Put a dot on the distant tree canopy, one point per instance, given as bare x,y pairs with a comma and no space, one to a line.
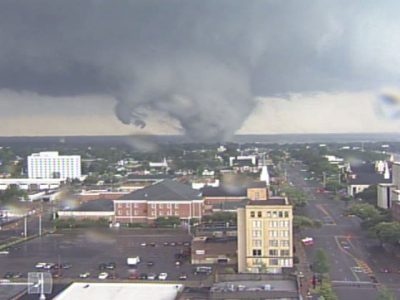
12,193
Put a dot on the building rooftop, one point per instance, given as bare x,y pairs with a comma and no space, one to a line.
116,291
368,179
164,191
224,191
271,201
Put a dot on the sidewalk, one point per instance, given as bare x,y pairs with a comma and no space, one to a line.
304,267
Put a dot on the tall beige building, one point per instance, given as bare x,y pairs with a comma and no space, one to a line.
265,236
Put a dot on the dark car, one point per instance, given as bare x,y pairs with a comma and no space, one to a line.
111,266
152,244
150,263
8,275
143,276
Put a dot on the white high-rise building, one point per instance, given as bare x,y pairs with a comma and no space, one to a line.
51,165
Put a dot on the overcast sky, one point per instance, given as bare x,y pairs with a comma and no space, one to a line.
206,69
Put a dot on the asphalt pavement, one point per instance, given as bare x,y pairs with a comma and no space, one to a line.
355,269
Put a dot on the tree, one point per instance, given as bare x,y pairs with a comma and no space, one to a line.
297,197
385,294
300,222
167,221
223,216
388,232
364,211
12,193
368,195
321,262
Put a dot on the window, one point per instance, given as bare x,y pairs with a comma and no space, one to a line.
273,243
160,213
252,214
286,214
256,224
256,233
280,214
268,214
176,206
284,243
285,252
259,214
273,252
257,243
273,233
256,252
274,214
273,261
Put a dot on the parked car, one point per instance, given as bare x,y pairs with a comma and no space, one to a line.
183,276
103,275
152,276
49,266
152,244
84,275
40,265
165,243
143,244
163,276
143,276
133,276
203,270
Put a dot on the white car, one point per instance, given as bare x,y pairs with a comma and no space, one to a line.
163,276
151,276
84,275
143,244
103,275
40,265
5,252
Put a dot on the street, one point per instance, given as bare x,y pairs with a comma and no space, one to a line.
355,259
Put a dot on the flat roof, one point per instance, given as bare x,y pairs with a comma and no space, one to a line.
270,201
116,291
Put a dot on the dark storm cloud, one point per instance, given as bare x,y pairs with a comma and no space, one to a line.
201,62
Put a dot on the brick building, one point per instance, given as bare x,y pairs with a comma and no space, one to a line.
167,198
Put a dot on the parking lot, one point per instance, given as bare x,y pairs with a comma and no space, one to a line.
84,250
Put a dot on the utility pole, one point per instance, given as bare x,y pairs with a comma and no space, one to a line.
25,227
40,225
324,179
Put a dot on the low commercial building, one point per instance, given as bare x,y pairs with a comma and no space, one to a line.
92,210
265,236
206,250
255,286
119,290
167,198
